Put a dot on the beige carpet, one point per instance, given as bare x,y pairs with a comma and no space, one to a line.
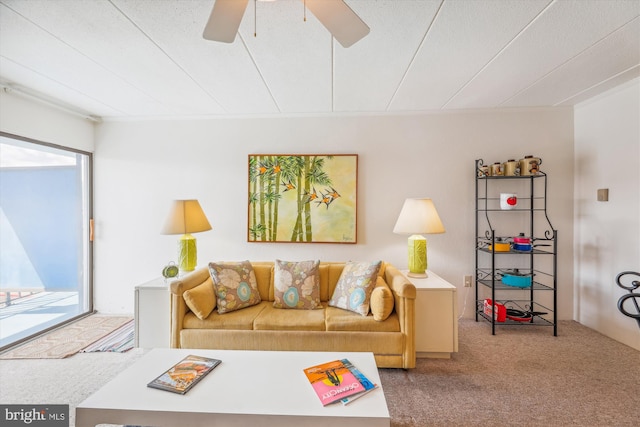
524,376
67,340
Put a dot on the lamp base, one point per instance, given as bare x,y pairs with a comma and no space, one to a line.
187,253
418,275
417,248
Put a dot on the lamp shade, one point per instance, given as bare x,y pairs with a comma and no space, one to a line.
418,216
185,216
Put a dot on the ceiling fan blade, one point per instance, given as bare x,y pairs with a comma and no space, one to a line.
224,20
339,19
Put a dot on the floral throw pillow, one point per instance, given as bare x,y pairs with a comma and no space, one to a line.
297,285
354,287
235,285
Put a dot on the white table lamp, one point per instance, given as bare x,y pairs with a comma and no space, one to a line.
418,217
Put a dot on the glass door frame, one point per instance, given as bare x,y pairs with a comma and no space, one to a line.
88,233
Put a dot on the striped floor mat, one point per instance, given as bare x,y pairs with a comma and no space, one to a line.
71,339
118,341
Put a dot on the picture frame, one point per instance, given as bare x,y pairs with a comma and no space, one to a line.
302,198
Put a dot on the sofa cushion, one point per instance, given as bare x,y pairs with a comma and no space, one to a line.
381,300
235,285
383,268
235,320
272,318
264,276
337,319
201,299
297,284
354,287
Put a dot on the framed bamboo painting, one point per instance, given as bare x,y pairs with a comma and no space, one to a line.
302,198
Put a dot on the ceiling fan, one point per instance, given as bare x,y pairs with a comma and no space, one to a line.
337,17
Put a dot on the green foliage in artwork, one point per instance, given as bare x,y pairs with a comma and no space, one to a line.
271,178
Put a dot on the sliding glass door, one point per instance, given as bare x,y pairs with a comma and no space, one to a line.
45,242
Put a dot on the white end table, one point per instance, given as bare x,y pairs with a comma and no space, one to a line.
436,316
153,314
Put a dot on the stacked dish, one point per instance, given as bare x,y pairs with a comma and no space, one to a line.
522,243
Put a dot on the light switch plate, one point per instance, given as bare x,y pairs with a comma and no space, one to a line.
603,194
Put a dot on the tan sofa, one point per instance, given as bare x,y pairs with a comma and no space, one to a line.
263,327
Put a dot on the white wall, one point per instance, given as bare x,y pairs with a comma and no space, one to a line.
141,166
607,234
29,119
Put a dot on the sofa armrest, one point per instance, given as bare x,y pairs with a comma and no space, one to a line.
178,306
190,281
404,294
399,283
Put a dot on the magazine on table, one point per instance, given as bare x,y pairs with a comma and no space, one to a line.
366,383
182,376
333,381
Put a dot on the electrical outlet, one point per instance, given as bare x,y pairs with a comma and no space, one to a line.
603,194
467,281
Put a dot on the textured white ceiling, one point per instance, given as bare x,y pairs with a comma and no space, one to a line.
147,58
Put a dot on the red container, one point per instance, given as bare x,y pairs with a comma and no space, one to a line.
499,313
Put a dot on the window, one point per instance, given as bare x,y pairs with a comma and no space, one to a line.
45,247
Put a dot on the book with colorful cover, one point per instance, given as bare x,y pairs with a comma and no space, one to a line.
366,383
182,376
333,381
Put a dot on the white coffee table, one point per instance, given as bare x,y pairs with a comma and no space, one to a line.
249,388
